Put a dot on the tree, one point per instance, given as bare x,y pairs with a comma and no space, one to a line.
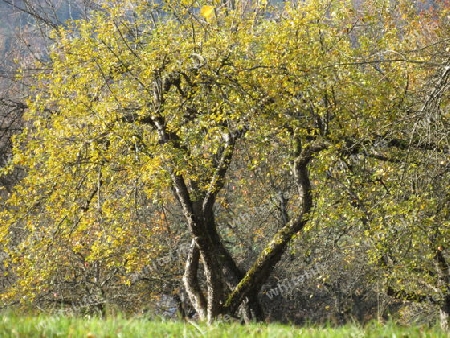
147,100
411,229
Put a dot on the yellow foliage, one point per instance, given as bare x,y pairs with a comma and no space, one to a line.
207,12
119,115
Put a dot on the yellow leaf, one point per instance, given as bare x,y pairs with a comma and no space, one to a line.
207,11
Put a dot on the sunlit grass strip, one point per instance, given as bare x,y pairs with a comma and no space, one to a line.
62,326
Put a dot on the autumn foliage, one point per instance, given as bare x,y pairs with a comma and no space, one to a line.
154,123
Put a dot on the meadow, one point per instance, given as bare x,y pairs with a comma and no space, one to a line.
63,326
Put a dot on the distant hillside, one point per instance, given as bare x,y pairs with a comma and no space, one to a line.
7,23
17,29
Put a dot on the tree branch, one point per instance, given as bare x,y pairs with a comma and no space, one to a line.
273,252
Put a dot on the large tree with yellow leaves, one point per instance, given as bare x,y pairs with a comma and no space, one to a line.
147,101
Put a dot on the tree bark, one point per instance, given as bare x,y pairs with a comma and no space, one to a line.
443,269
191,283
227,272
200,235
445,314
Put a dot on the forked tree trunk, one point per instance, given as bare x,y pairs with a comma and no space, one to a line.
219,268
230,277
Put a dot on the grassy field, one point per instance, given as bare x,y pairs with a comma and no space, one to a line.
60,326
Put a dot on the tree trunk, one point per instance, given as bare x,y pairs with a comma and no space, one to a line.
214,286
219,268
230,275
443,269
445,314
191,284
206,250
250,308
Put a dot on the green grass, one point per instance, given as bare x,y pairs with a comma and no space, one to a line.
62,326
